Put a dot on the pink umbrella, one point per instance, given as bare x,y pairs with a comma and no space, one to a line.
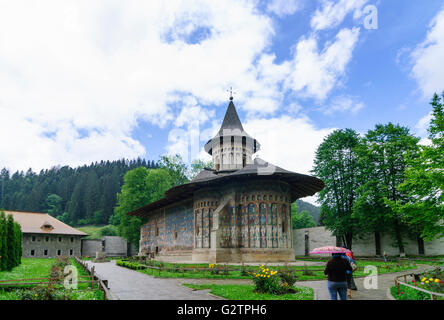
329,249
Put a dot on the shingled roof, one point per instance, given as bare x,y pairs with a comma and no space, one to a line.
231,120
35,222
301,185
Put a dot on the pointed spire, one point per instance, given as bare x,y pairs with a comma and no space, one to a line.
231,120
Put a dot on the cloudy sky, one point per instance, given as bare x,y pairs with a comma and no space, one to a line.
84,81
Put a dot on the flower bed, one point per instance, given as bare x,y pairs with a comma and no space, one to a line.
427,286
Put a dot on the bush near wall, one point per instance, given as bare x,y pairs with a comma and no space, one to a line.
10,243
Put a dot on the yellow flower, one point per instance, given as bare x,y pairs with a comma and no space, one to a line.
431,279
436,280
423,279
269,276
427,281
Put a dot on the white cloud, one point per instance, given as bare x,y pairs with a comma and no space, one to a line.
333,13
315,73
428,69
287,142
423,124
284,7
99,67
343,103
76,77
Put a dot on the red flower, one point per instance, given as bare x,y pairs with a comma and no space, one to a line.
402,292
416,284
413,281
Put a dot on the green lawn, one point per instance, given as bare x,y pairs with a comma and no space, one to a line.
171,270
245,292
40,268
30,268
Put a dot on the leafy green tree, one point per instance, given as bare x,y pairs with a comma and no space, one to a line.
177,169
3,240
302,219
336,163
141,187
383,166
423,205
11,243
17,244
53,204
197,166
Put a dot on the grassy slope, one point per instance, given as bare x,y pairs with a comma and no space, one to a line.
93,231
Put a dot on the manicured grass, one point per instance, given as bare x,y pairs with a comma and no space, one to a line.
40,268
245,292
170,270
29,268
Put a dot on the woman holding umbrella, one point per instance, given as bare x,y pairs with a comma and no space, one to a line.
350,281
336,270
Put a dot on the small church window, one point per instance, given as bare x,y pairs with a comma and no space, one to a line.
59,252
72,239
32,252
60,239
45,252
46,238
71,252
33,238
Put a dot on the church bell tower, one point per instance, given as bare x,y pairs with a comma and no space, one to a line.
232,148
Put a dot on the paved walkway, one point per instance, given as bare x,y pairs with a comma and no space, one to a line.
128,284
384,281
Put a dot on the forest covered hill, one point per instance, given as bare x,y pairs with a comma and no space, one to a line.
77,196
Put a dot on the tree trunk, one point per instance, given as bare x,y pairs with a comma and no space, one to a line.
399,238
421,250
378,243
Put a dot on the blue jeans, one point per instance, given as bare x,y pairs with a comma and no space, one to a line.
335,288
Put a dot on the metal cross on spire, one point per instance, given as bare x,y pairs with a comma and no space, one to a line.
231,93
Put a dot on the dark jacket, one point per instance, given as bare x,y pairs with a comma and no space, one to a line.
336,269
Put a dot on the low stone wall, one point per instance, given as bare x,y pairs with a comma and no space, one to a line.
114,247
309,238
90,247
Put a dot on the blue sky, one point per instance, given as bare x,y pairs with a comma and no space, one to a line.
96,80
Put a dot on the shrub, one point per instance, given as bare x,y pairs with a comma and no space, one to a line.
288,277
307,272
108,231
267,281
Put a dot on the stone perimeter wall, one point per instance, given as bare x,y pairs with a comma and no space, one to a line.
319,237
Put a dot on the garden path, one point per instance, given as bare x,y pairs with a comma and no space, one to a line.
128,284
132,285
